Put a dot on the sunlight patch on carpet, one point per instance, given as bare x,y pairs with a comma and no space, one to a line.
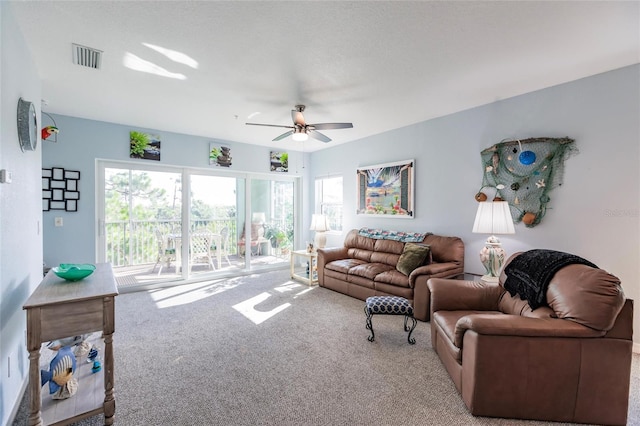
189,293
247,308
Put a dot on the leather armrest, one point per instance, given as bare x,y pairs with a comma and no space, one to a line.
329,254
435,268
459,295
515,325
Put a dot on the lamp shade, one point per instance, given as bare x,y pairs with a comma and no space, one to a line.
319,223
259,217
299,135
493,217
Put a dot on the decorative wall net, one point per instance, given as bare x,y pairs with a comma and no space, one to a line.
523,173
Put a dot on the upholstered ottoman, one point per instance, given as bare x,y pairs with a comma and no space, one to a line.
390,305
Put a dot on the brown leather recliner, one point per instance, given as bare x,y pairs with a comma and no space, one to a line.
569,361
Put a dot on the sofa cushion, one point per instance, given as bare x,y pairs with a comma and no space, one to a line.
369,270
393,277
343,265
446,249
589,296
390,259
361,254
513,305
412,256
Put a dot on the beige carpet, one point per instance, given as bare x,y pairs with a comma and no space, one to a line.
262,350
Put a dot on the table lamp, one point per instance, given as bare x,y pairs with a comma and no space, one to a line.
320,224
493,217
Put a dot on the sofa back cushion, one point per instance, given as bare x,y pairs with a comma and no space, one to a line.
513,305
359,247
589,296
373,250
445,249
580,293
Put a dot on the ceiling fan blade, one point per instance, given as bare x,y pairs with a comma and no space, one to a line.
269,125
284,135
318,135
297,117
327,126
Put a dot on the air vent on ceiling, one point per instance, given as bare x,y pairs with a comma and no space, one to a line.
87,56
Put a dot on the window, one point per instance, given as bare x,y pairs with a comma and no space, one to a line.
329,200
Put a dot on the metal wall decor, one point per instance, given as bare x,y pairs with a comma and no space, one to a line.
27,125
523,173
60,189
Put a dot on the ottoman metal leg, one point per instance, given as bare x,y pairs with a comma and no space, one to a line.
411,340
368,325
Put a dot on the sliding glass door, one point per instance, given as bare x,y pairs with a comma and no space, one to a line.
141,209
272,224
160,224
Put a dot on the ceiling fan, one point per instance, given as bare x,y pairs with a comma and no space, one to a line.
300,130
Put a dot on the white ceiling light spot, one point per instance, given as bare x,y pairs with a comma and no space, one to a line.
174,55
253,114
136,63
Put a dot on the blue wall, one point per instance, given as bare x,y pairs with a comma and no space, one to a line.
81,142
596,209
20,211
595,213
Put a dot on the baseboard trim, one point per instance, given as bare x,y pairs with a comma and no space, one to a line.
16,406
636,348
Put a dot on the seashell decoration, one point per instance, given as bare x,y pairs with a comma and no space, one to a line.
528,218
481,196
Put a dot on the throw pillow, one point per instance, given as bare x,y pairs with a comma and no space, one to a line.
412,256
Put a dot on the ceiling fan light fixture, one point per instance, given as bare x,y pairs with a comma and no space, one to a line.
299,135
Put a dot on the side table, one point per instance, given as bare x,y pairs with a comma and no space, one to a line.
310,274
59,309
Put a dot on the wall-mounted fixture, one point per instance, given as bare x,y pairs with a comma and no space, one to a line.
27,125
50,132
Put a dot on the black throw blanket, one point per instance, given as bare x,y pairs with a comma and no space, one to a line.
529,274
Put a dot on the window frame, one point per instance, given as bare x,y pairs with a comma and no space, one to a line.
320,203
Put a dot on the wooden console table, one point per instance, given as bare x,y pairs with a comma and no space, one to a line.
59,309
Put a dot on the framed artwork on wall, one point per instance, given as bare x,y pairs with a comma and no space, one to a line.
219,155
60,189
386,190
143,145
279,161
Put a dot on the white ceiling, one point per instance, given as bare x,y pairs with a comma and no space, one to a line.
380,65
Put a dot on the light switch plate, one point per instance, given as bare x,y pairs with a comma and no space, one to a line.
5,176
58,221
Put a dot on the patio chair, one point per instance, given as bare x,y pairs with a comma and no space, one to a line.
166,253
224,244
200,248
257,240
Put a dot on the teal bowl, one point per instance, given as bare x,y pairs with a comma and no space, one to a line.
74,271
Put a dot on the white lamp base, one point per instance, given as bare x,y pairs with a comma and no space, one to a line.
320,240
492,257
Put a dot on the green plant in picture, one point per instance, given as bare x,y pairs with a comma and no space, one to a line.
213,155
138,142
284,159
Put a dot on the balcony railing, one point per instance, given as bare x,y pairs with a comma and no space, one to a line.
135,242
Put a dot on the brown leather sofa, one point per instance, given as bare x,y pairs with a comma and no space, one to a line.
569,361
366,267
